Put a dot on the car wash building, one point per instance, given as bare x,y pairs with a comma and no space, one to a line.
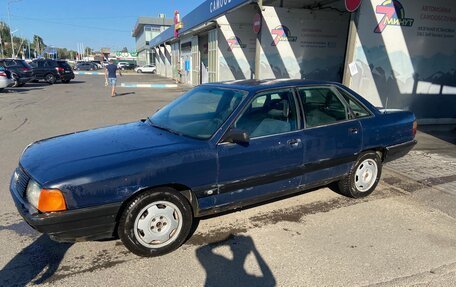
396,53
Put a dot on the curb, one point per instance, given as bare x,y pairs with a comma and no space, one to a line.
156,86
87,73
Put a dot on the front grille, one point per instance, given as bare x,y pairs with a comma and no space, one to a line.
22,181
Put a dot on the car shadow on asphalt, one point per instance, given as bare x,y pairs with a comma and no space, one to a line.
41,258
20,90
74,82
223,271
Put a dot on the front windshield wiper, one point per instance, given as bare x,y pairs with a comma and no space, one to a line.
164,128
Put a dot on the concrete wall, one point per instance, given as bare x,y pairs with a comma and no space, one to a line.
236,45
409,62
303,44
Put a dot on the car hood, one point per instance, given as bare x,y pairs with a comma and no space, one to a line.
53,158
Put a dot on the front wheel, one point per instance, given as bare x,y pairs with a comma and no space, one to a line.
139,71
363,177
156,222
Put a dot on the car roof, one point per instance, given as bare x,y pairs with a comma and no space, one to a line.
259,85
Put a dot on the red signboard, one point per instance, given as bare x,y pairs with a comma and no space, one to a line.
177,24
352,5
257,23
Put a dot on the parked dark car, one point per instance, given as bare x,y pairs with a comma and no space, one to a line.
22,72
52,71
86,66
217,148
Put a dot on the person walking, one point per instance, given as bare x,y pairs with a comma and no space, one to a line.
111,76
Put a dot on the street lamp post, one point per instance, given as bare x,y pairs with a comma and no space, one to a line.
9,22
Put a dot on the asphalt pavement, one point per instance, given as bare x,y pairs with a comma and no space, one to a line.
402,235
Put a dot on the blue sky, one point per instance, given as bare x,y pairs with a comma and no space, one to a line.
96,23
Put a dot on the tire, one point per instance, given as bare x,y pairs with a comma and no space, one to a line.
139,71
20,84
50,79
65,81
363,176
1,89
165,212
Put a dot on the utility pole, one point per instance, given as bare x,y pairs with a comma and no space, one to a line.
258,42
10,27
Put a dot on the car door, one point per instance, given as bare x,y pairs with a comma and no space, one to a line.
270,163
332,138
39,69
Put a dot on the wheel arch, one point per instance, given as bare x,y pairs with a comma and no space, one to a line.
381,151
184,190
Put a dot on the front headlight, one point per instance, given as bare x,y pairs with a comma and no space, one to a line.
33,193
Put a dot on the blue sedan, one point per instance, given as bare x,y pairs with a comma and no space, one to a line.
217,148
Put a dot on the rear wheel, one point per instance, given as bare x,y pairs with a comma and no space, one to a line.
363,177
156,222
65,81
50,79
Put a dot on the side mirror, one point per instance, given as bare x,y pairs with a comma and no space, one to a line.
237,136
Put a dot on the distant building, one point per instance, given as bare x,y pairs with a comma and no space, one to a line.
147,28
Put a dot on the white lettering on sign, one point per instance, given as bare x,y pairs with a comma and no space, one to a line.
217,4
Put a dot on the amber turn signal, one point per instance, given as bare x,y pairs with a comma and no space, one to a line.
51,200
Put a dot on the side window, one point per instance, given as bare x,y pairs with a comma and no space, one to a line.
268,114
358,110
321,106
9,63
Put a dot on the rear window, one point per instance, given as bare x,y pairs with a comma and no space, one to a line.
63,64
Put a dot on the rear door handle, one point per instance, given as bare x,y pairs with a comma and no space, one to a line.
294,142
353,130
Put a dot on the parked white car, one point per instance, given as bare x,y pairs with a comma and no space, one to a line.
122,65
146,69
6,79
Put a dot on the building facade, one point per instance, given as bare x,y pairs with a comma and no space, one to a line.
396,53
146,29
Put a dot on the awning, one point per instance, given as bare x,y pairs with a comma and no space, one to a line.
205,12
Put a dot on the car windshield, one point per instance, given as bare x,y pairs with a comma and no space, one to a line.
198,113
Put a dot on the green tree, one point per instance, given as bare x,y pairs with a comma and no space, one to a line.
38,44
5,40
88,51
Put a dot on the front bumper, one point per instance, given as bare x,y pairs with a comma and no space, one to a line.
92,223
397,151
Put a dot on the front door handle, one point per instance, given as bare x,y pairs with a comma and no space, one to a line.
294,142
353,130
